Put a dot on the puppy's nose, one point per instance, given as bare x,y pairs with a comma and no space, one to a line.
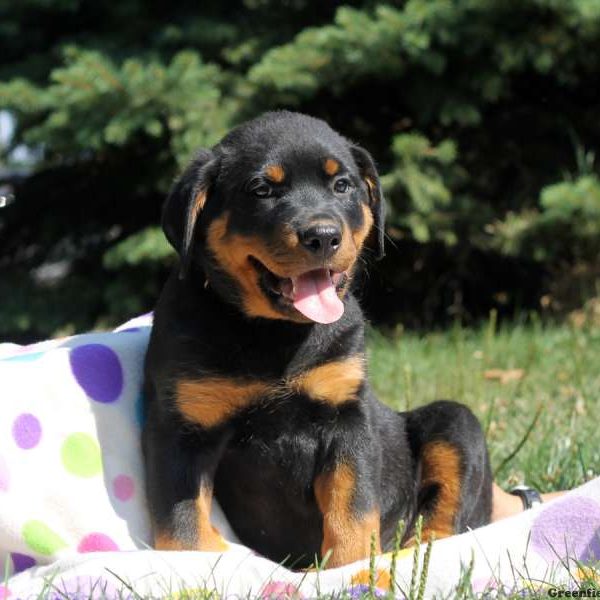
323,239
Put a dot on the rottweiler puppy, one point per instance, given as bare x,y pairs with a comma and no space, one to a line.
256,378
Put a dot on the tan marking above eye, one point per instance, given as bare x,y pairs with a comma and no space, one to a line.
331,166
275,173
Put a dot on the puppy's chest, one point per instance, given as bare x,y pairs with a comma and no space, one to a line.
311,395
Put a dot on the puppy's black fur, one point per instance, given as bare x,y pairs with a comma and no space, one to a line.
251,400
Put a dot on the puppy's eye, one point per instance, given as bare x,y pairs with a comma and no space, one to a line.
341,186
262,190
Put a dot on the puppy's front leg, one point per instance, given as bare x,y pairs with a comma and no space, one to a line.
179,476
350,514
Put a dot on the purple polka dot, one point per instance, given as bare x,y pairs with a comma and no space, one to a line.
21,562
123,487
363,591
97,542
27,431
85,587
129,330
4,476
568,528
98,371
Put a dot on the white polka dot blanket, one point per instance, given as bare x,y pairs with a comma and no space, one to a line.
73,522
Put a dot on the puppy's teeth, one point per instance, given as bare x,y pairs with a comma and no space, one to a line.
287,287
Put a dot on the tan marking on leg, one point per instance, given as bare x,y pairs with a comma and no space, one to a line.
346,535
331,166
209,537
334,382
275,173
164,541
441,466
213,400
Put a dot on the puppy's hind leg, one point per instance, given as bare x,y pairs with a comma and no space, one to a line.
455,483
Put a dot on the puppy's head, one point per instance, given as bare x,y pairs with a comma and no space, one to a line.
277,215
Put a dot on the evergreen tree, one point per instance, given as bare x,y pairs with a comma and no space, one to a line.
482,115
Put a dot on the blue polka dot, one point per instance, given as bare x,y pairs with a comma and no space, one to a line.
28,357
140,409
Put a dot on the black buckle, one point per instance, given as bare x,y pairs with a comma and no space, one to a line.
528,495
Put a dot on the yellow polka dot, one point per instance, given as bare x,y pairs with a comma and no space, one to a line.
41,539
81,455
401,554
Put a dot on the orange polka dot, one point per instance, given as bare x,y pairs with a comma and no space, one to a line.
382,578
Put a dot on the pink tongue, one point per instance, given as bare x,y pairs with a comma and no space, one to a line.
316,297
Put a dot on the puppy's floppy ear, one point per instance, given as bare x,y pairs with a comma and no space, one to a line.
185,202
369,174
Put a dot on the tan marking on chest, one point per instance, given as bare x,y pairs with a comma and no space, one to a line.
213,400
334,382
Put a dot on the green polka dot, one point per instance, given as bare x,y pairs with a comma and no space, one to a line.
81,456
41,539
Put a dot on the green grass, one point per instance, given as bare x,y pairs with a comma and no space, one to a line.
560,383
